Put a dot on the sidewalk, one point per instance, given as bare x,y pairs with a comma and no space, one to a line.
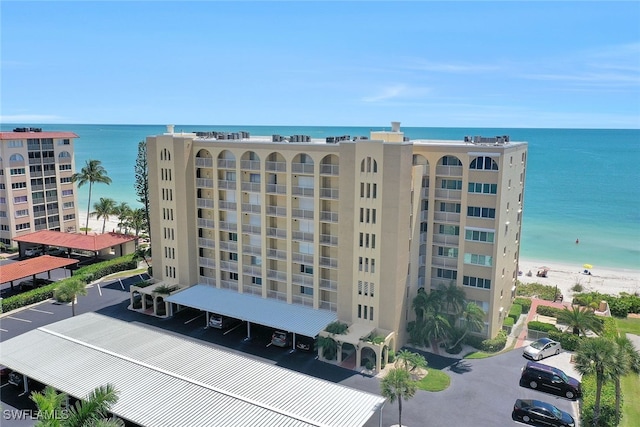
522,333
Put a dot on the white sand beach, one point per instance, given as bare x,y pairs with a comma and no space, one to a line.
605,280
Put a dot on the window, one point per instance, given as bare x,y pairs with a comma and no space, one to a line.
67,193
18,185
452,230
63,141
256,280
16,158
17,171
479,235
69,217
484,163
447,252
230,176
20,199
359,287
481,188
307,269
14,143
233,276
306,290
65,167
3,200
479,212
446,273
233,237
233,256
476,282
449,207
66,180
451,161
24,226
484,260
254,177
452,184
22,212
64,155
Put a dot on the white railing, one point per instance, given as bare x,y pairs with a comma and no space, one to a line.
328,262
206,262
329,193
302,235
277,232
449,170
447,216
300,300
276,166
302,213
327,216
276,211
253,229
231,266
226,184
281,296
329,170
252,289
277,275
250,164
446,239
206,243
229,245
251,250
443,193
204,182
252,270
299,279
329,284
302,258
302,191
277,254
223,204
229,284
302,167
328,239
250,207
226,164
206,162
228,226
204,203
275,188
442,261
205,223
251,186
326,305
207,280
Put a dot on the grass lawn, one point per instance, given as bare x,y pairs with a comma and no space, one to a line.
478,355
435,380
630,325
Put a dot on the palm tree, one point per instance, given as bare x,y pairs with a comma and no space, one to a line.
68,291
472,321
410,361
122,210
596,356
329,347
581,319
398,385
141,253
93,171
137,220
453,297
425,303
103,209
628,362
49,404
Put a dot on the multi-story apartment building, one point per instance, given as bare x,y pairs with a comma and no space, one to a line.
36,192
352,225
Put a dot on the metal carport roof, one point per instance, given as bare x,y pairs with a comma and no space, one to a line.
263,311
170,380
29,267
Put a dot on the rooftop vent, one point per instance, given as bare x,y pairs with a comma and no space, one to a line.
395,126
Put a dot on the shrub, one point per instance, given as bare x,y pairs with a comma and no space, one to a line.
165,289
607,402
508,322
567,340
337,327
495,344
524,302
541,326
515,312
93,272
577,287
27,298
545,292
545,310
473,341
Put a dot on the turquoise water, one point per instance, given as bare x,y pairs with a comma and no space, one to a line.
581,183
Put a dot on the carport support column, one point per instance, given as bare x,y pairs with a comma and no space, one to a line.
339,355
358,356
378,359
248,330
207,320
25,383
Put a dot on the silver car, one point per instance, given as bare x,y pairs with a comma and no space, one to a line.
542,348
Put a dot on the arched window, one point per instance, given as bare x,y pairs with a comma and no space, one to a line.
369,164
64,155
16,158
450,161
484,163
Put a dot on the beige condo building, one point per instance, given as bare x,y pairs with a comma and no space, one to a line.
36,192
350,225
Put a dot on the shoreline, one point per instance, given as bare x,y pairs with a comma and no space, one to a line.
606,280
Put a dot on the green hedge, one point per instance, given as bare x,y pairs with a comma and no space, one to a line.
515,312
86,274
495,344
607,402
567,340
545,310
539,290
508,321
524,302
620,306
534,325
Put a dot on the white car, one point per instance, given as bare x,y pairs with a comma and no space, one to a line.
33,251
542,348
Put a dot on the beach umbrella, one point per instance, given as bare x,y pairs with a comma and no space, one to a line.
588,266
544,268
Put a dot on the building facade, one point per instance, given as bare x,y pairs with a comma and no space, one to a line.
355,225
36,192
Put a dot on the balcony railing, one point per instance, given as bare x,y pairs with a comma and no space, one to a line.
204,183
328,262
302,213
250,164
251,250
228,206
280,296
329,170
37,187
302,168
206,243
280,233
251,186
225,184
302,235
204,203
329,193
276,211
251,207
50,173
228,226
326,216
228,245
302,191
277,275
449,170
329,240
229,284
204,162
299,279
302,258
231,266
205,223
328,284
277,254
443,193
250,228
276,166
211,281
327,305
226,164
442,261
252,289
252,270
446,239
300,300
447,216
206,262
277,189
424,192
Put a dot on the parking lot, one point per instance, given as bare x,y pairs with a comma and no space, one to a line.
482,392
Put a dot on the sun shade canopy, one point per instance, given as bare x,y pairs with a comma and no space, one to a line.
206,386
29,267
263,311
85,242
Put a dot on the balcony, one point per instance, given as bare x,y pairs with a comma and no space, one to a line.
54,224
207,280
224,184
50,186
205,223
226,164
299,279
204,203
207,262
444,262
277,254
276,166
32,161
252,270
251,186
279,233
53,211
329,193
328,284
329,170
228,226
227,206
302,236
424,215
204,183
424,192
449,170
442,193
302,191
277,275
302,258
446,239
41,227
306,168
204,162
228,245
276,211
328,240
206,243
302,213
327,305
231,266
280,296
447,216
37,187
253,165
328,262
252,289
49,173
252,250
326,216
251,229
229,284
251,208
276,189
300,300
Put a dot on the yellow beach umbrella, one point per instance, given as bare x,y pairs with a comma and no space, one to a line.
588,266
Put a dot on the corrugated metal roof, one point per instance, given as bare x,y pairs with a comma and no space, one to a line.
86,242
263,311
170,380
28,267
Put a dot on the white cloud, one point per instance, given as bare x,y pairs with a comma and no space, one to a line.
395,92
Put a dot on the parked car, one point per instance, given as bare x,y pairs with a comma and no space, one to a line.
537,412
34,251
54,251
539,349
549,379
219,321
280,338
305,343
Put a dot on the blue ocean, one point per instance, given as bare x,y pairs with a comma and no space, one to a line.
580,183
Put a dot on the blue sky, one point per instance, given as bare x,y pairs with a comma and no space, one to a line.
448,64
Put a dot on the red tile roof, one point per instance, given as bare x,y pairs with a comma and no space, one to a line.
85,242
36,135
29,267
